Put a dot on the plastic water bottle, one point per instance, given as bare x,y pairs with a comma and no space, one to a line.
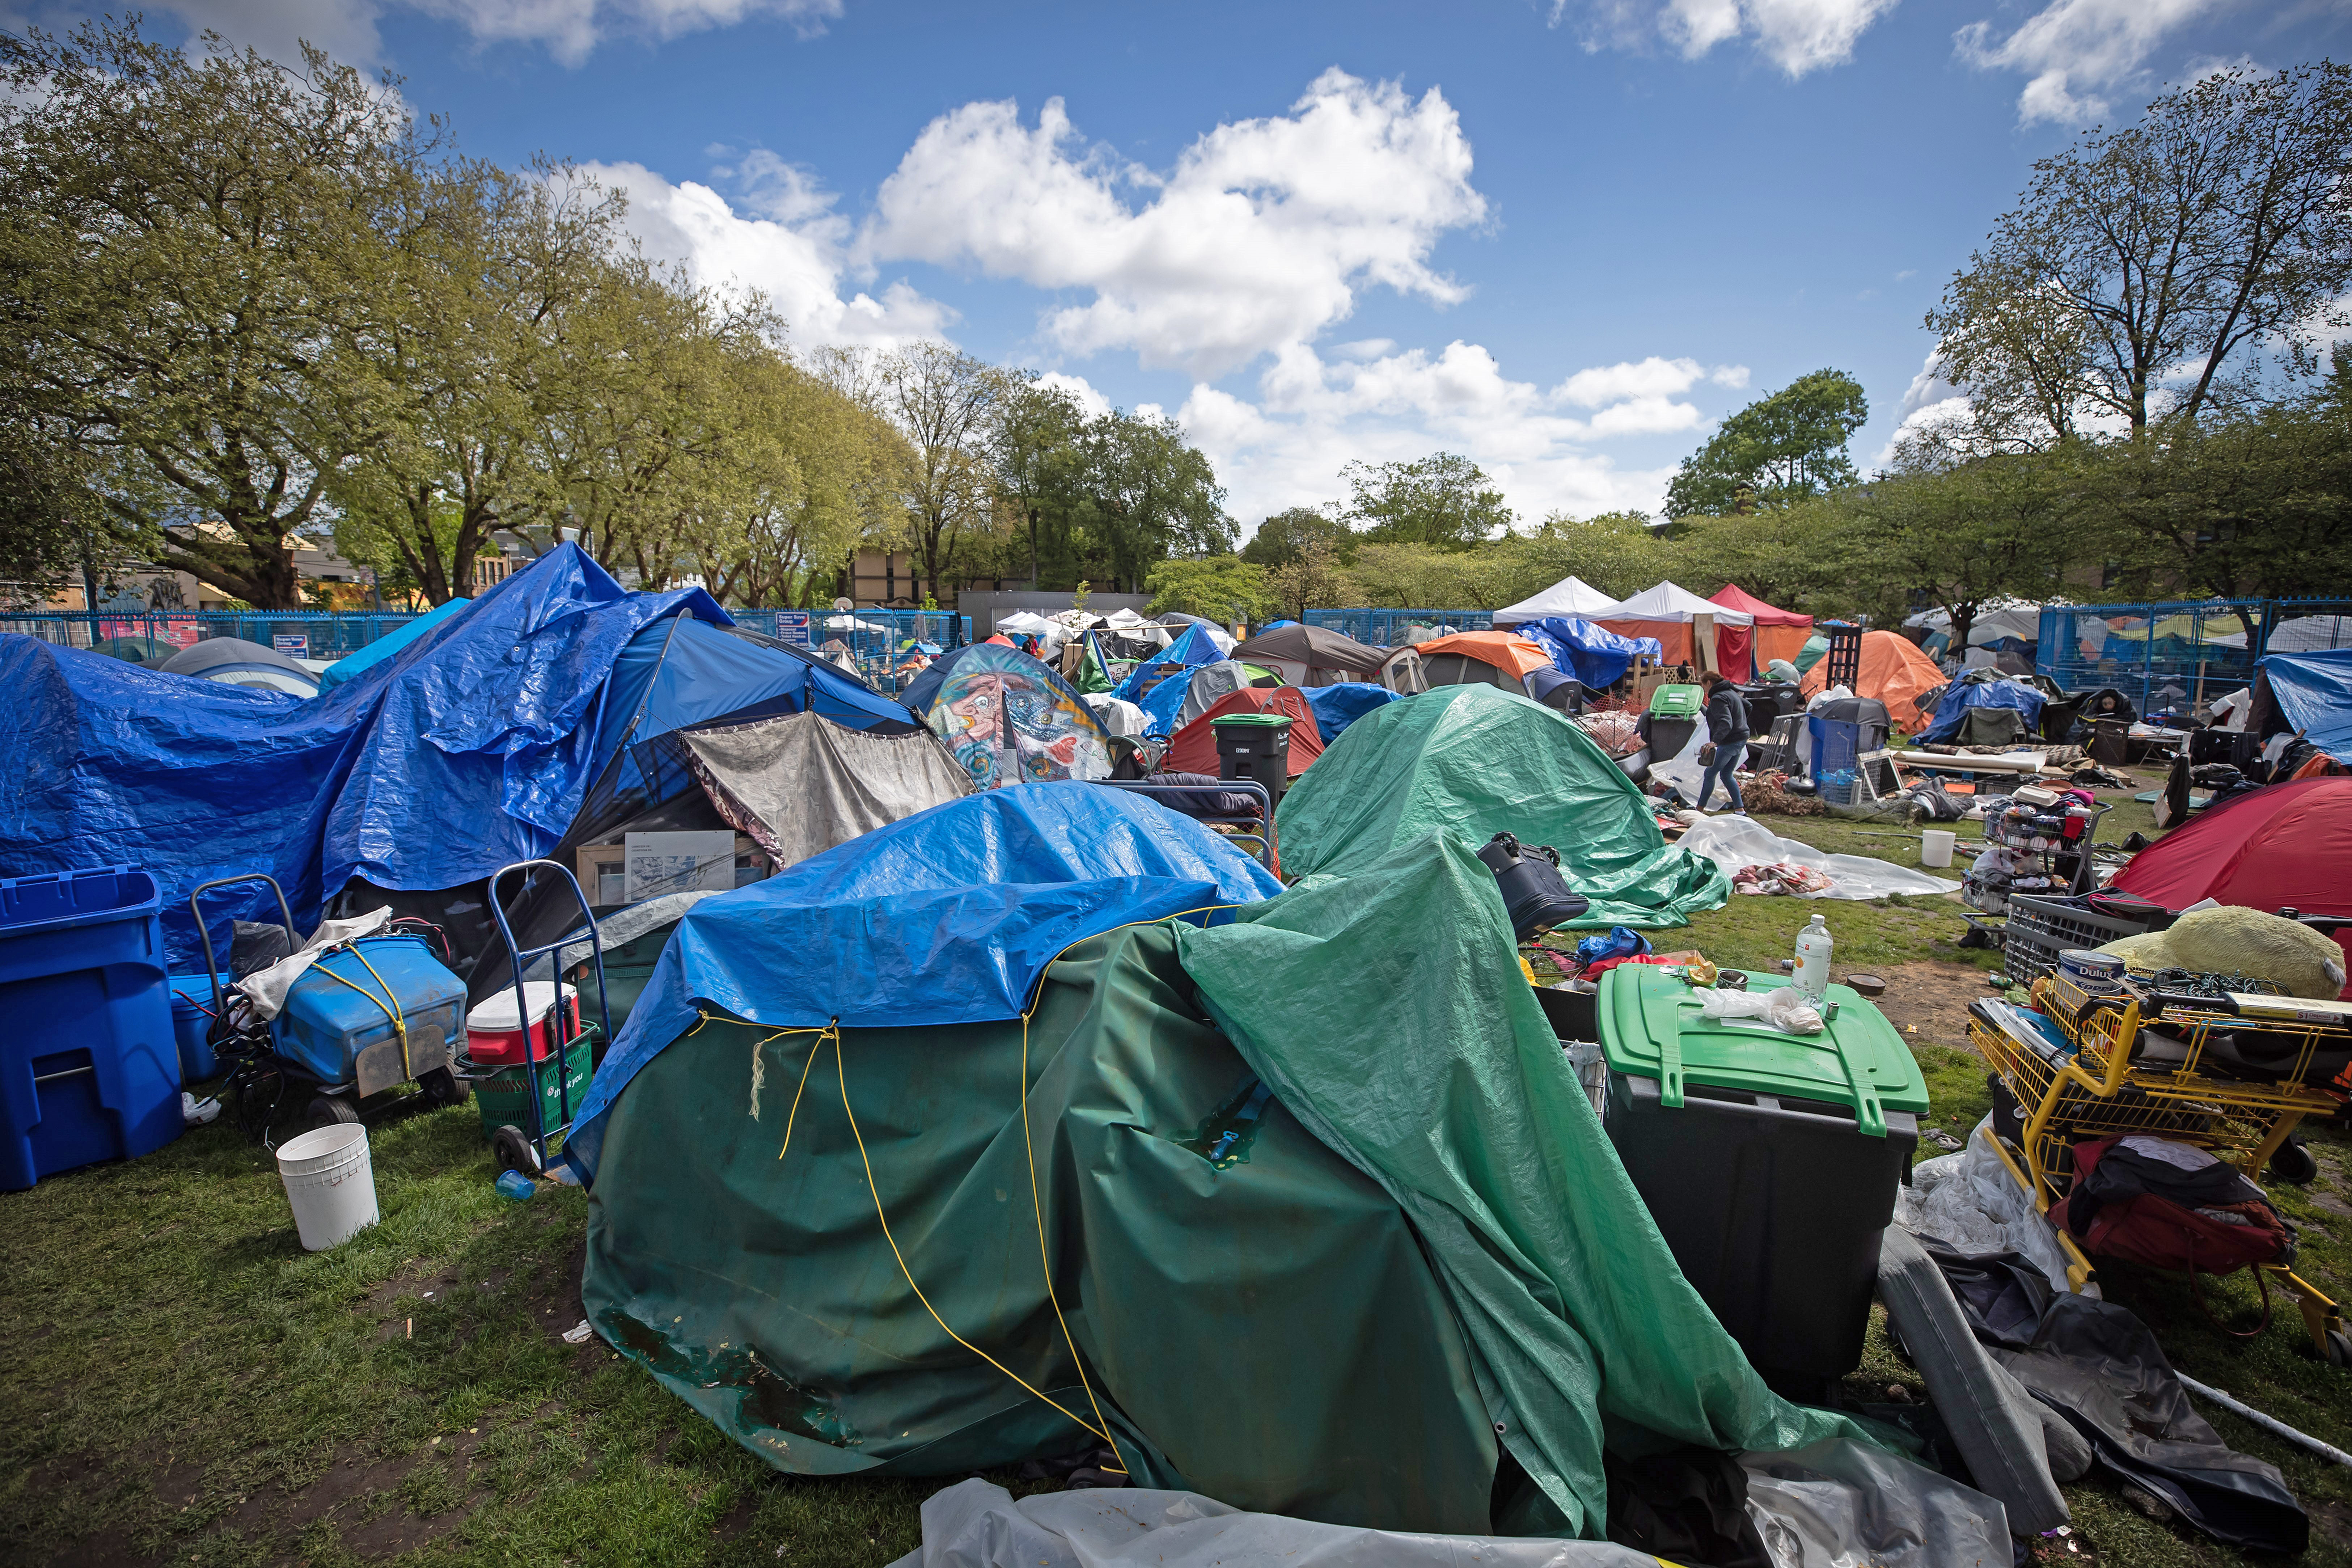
1812,969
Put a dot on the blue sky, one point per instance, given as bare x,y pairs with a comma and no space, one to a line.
1562,236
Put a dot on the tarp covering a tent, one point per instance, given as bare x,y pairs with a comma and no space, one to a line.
800,784
1512,654
1338,706
472,749
1477,761
1259,1262
2314,693
1596,656
1009,719
1569,596
1157,684
1193,748
352,665
1312,656
1952,709
1780,633
1894,671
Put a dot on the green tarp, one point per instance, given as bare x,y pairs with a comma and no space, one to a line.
1476,761
1333,1302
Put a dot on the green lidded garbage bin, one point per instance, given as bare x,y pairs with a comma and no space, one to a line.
1255,746
1676,703
1768,1161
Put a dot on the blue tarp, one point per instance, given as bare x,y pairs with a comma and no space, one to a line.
1191,650
384,646
469,748
1952,708
2313,691
1595,654
1343,702
950,916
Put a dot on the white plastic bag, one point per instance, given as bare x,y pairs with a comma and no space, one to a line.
1784,1007
267,988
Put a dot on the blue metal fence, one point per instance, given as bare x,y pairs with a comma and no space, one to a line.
2184,651
877,640
1387,628
321,634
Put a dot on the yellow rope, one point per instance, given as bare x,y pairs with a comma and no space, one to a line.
841,1073
388,1002
831,1031
1037,1208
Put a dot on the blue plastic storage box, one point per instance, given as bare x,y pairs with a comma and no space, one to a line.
336,1011
88,1069
192,1022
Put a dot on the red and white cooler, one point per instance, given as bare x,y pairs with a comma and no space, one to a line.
494,1036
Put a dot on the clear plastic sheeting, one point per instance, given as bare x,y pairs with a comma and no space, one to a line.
977,1524
1971,1201
1732,842
1844,1504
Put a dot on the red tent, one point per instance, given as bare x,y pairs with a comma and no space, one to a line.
1780,633
2288,846
1194,749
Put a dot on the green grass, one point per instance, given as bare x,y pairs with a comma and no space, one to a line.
185,1385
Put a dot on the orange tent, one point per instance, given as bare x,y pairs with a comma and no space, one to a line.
1505,650
1894,671
1193,749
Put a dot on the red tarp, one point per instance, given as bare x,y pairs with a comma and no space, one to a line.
1194,748
1780,633
2288,846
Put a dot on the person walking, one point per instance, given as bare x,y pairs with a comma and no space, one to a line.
1727,743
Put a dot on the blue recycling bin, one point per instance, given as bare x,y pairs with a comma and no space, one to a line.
89,1069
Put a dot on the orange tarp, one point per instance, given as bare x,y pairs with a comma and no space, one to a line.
1505,651
1894,671
1193,749
1674,637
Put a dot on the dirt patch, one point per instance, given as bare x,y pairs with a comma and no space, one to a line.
1927,1001
2332,1521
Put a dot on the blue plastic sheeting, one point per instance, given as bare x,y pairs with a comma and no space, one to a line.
1159,705
950,916
1338,705
1595,654
469,748
2313,691
384,646
1952,708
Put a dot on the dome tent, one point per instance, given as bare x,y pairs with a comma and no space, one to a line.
1894,671
242,663
1009,718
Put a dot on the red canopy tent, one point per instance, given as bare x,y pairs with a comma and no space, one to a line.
1193,748
1780,633
2285,847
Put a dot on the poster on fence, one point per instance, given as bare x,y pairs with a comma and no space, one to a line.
793,626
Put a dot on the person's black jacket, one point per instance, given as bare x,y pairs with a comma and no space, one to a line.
1726,715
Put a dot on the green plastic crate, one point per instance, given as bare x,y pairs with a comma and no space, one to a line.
505,1101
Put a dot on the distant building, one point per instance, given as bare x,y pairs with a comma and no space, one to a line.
892,580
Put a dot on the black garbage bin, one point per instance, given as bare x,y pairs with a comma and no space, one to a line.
1768,1161
1255,746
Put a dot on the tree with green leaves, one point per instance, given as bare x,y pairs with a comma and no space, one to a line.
2007,525
1221,588
201,256
2161,269
1784,445
1280,537
945,403
1039,459
1154,495
1443,500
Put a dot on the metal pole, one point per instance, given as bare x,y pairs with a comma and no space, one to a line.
2267,1423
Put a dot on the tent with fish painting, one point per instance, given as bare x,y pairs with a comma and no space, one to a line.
1088,1159
1009,718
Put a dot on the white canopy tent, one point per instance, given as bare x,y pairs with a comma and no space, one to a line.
1669,601
1669,613
1570,597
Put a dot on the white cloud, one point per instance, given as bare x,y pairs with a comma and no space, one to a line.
1312,416
1798,36
570,28
1095,403
794,253
2077,53
1259,239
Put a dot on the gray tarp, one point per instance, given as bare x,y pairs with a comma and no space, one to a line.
802,784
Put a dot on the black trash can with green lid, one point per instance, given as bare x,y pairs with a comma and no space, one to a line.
1769,1161
1255,746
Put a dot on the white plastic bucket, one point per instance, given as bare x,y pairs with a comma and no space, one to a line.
330,1182
1936,846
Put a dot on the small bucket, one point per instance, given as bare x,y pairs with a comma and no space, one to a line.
330,1183
1936,846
